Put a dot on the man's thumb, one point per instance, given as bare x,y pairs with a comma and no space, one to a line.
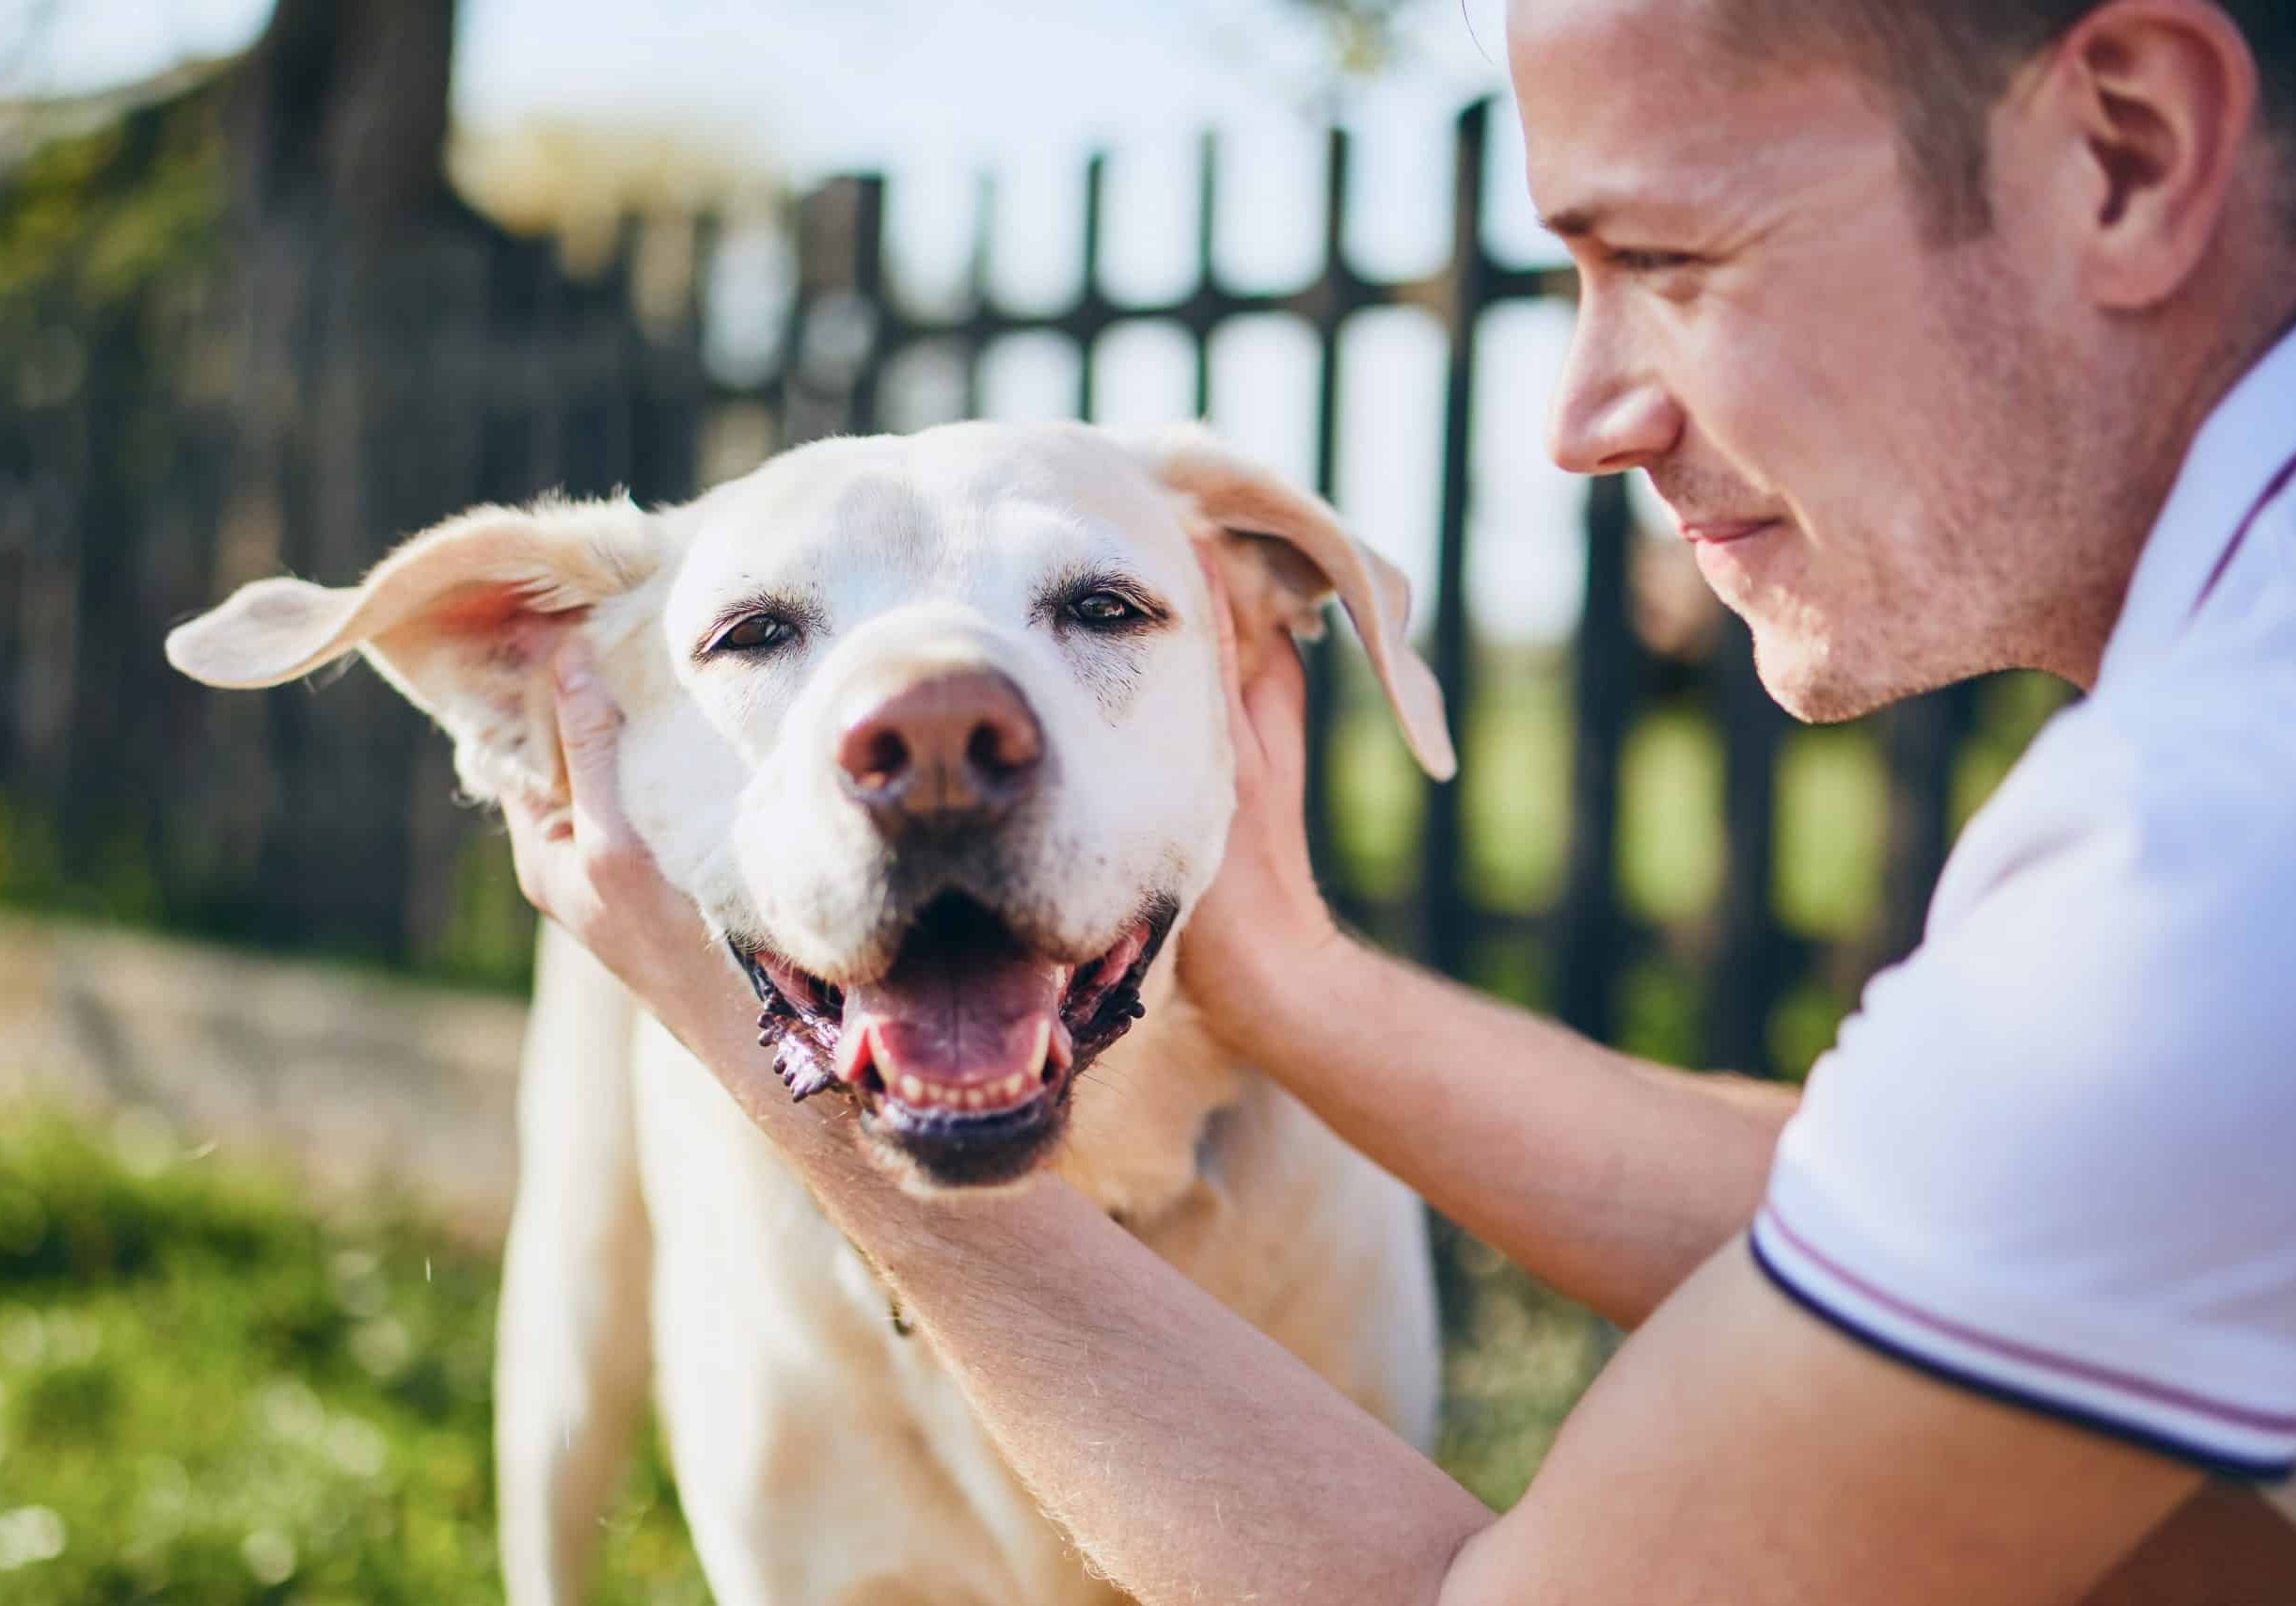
588,723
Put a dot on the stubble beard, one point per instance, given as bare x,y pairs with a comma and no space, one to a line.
2017,541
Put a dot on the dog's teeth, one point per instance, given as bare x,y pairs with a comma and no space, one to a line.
911,1089
975,1098
853,1054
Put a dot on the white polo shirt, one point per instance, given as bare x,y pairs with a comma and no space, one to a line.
2052,1157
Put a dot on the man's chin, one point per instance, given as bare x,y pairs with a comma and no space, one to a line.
1821,685
1807,681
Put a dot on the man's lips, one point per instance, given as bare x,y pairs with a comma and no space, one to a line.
1721,532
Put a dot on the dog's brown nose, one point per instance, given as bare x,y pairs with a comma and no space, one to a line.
959,746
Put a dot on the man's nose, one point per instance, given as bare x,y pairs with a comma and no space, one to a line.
1611,414
959,747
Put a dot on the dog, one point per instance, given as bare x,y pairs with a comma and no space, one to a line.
932,729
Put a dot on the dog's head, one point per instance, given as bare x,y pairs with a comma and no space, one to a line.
929,727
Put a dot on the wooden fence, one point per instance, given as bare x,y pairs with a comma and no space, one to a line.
256,416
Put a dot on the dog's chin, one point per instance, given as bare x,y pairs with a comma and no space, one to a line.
933,1152
962,1051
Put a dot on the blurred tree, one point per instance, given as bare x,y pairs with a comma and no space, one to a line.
336,118
339,113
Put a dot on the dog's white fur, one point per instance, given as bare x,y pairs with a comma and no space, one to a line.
823,1456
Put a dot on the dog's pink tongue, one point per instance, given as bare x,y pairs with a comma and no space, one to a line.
962,1019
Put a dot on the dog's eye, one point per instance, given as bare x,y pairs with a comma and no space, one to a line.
753,634
1105,607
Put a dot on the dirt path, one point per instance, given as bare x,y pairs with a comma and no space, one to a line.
358,1080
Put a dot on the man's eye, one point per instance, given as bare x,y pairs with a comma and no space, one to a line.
1650,262
1105,607
753,634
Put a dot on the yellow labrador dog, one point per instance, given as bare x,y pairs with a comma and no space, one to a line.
931,730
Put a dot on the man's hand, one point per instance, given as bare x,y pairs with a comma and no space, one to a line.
1609,1178
581,865
1261,932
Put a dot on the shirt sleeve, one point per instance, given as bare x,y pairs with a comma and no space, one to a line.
2053,1156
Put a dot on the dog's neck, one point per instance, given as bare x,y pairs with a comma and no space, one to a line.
1140,1112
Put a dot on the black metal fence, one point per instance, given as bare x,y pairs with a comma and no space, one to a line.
253,415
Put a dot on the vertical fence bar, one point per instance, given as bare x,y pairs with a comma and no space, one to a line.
76,695
1088,302
1446,919
1332,304
835,350
976,291
1202,311
1590,931
867,287
1918,740
1747,972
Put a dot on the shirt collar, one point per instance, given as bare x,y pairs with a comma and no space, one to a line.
2247,441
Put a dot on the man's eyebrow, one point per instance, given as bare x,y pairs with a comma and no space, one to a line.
1573,223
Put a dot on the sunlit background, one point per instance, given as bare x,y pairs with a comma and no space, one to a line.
254,1153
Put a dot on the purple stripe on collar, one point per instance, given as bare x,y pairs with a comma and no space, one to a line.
2280,481
2096,1420
2238,1416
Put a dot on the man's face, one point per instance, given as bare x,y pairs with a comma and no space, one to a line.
1864,431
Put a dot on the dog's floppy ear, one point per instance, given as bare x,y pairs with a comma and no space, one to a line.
462,619
1284,555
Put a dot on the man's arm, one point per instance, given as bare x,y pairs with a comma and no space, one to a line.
1735,1450
1738,1449
1608,1178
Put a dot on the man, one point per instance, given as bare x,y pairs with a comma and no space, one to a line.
1957,336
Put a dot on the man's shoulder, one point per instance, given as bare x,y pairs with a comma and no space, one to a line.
2180,781
2128,898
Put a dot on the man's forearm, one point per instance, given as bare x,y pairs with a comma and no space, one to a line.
1190,1456
1608,1178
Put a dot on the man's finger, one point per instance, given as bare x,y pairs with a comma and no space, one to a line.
1224,630
1276,703
589,729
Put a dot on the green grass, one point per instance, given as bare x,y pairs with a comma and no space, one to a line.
1516,1358
211,1393
208,1394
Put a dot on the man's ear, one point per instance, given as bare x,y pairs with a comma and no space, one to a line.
462,619
1284,554
2163,102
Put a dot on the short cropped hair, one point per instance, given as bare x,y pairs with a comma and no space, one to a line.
1946,63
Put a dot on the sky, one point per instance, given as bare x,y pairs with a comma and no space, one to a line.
933,91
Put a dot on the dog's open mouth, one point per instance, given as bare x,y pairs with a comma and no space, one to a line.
962,1053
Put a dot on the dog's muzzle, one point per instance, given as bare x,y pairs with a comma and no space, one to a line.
963,1054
